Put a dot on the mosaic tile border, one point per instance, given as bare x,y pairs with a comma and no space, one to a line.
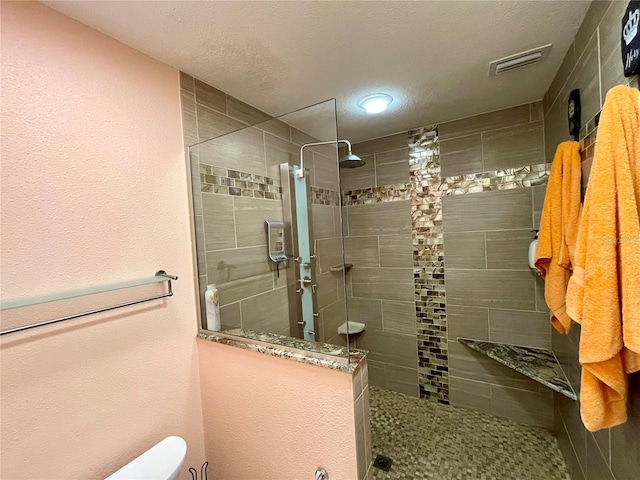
522,177
428,264
236,183
322,196
385,193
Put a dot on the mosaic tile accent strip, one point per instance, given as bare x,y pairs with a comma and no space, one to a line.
428,264
386,193
431,441
521,177
321,196
346,359
536,363
242,184
426,190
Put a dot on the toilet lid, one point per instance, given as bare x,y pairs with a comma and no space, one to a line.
160,462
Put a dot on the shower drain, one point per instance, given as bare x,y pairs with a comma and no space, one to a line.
383,463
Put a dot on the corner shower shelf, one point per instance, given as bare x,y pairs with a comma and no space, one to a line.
351,328
536,363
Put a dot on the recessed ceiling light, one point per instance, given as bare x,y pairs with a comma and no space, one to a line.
375,103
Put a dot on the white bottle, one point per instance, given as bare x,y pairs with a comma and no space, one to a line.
533,246
212,303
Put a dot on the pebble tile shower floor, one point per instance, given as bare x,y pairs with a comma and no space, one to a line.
426,440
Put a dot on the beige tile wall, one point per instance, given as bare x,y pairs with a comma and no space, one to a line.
327,228
387,163
362,421
378,244
592,64
608,454
230,233
508,138
381,297
491,292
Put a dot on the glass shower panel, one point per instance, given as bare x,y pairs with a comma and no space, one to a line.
268,229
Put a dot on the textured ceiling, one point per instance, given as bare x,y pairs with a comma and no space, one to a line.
432,57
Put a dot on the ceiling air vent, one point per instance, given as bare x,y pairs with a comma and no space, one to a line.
519,60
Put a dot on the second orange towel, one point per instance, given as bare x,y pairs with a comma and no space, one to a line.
559,230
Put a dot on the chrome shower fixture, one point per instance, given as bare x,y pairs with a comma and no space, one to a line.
350,160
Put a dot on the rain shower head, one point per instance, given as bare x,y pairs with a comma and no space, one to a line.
351,161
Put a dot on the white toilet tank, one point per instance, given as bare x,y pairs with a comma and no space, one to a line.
161,462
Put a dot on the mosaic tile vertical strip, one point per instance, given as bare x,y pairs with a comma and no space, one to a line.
428,264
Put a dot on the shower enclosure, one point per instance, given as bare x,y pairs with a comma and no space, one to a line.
268,224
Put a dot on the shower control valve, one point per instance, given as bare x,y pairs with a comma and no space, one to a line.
306,282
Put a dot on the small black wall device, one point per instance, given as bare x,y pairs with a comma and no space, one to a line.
573,113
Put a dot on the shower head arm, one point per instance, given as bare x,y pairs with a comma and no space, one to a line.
331,142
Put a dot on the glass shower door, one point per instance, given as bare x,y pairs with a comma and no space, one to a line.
247,177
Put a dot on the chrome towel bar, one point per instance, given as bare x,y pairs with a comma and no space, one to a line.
160,276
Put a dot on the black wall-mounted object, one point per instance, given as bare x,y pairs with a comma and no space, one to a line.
573,113
630,39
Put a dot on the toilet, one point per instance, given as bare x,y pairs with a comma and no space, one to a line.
160,462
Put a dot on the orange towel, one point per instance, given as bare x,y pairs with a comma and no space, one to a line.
559,230
604,292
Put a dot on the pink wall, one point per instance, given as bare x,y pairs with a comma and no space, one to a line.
271,418
94,191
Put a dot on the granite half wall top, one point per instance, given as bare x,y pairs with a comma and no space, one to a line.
320,354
